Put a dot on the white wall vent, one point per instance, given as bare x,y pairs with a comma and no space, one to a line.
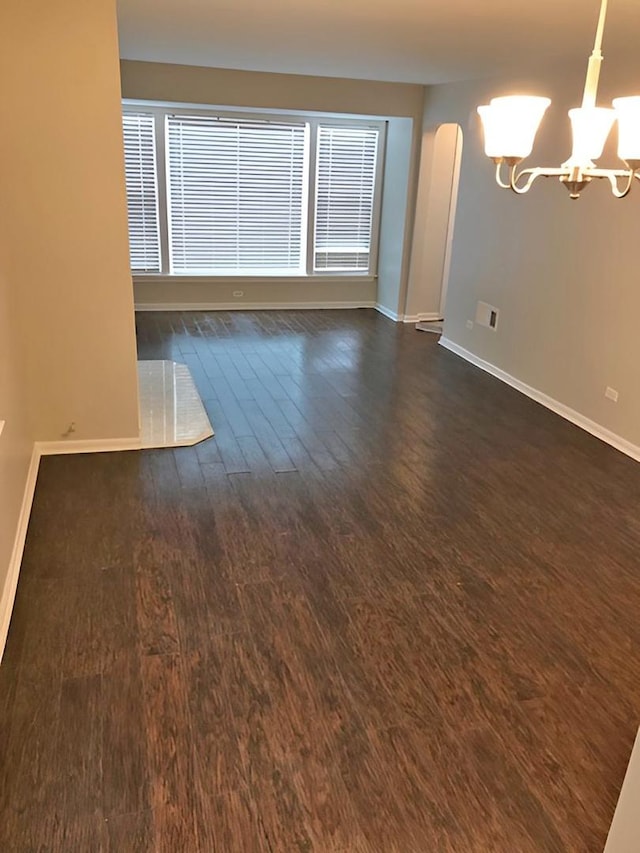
487,315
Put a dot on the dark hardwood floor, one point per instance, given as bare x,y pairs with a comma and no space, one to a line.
391,607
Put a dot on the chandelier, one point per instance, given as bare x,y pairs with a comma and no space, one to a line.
511,123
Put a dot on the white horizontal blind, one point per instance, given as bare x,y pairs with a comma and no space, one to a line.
237,195
345,186
142,191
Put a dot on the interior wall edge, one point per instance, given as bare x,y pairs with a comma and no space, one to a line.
388,313
569,414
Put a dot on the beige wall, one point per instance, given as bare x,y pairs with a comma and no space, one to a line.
403,103
66,239
67,345
194,292
563,273
155,81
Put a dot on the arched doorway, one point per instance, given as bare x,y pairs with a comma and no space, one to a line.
441,159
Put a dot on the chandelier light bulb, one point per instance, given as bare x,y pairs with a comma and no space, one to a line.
591,127
628,114
510,125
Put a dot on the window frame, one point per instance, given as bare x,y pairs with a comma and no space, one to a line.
161,110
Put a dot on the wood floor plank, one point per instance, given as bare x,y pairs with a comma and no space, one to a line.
29,774
226,693
232,456
170,753
310,719
208,452
79,747
51,831
131,832
267,438
188,465
155,610
126,772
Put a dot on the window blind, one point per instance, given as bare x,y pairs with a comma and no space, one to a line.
237,195
345,186
142,191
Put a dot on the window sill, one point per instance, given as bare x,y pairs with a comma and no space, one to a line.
334,278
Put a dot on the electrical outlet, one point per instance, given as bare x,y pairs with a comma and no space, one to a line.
611,394
238,293
469,324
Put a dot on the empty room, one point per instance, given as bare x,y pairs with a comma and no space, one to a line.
319,427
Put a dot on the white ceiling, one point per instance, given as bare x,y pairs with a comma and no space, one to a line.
415,41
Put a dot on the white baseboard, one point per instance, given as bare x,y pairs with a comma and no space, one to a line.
11,583
406,318
108,445
565,412
248,306
387,312
422,318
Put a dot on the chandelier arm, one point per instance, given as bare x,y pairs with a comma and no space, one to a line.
604,173
531,175
615,188
499,179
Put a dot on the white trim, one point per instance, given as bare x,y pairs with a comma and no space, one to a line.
229,280
107,445
145,104
247,306
433,317
397,318
453,206
11,583
565,412
625,828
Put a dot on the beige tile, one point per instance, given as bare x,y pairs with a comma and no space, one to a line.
171,411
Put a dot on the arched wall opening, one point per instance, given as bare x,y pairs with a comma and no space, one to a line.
440,162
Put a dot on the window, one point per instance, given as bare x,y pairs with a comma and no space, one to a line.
345,186
251,195
142,192
236,195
